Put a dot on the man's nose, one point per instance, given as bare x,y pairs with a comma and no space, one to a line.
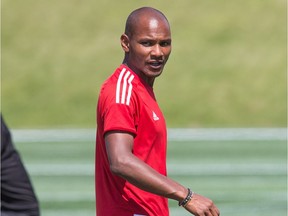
157,51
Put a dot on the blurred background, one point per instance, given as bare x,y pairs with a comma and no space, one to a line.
227,70
227,67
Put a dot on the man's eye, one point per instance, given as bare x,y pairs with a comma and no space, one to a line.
165,43
146,43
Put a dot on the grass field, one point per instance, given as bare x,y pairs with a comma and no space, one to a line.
244,173
227,67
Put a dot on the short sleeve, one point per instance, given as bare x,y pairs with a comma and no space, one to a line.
119,117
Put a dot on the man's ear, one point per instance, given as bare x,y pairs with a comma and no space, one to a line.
124,42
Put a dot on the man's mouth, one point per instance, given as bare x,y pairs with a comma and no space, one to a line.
156,64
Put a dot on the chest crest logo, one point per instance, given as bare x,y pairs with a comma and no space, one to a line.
155,117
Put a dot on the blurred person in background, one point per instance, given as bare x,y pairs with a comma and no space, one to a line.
17,193
131,141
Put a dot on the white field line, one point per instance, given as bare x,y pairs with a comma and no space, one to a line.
174,134
67,196
173,169
69,212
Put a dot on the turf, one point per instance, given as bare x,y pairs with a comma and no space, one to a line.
242,177
227,67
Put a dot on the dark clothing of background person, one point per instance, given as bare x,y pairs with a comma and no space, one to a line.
17,194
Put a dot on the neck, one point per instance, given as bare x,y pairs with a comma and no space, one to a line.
147,80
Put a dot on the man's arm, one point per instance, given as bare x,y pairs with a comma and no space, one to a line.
125,164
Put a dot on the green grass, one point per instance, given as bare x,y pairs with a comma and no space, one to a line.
227,67
242,177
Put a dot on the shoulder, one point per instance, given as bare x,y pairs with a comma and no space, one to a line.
121,85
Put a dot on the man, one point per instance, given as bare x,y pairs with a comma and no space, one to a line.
17,194
131,133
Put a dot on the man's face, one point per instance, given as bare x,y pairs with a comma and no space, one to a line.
149,48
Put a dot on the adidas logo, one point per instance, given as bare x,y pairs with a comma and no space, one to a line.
155,117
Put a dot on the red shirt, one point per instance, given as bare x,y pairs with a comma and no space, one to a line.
127,103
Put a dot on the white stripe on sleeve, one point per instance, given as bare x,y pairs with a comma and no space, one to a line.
129,89
122,90
118,87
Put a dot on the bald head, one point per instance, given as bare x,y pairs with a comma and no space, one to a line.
140,15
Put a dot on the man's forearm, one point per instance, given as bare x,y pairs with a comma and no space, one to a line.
146,178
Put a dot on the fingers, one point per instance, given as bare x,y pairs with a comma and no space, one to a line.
208,212
202,206
214,211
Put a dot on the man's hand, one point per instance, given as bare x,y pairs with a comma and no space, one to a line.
202,206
